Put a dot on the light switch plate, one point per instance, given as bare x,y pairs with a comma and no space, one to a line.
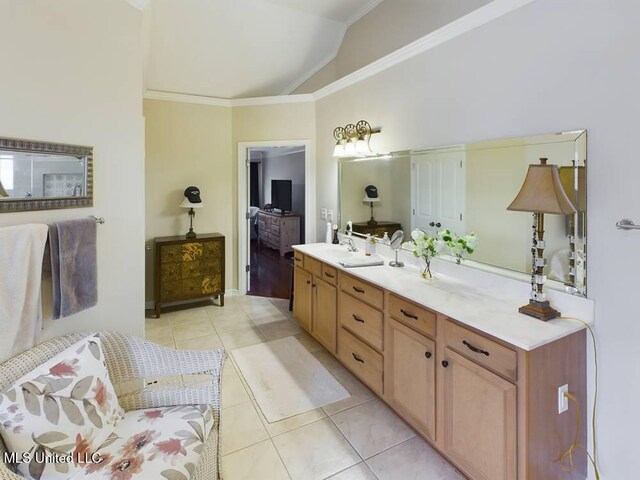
563,402
323,213
330,215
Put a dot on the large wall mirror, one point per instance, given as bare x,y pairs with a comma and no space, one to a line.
41,176
467,188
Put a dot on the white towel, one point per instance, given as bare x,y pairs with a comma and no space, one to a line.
21,252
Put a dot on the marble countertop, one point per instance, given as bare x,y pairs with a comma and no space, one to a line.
490,311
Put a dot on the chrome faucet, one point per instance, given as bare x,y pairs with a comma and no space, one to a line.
349,241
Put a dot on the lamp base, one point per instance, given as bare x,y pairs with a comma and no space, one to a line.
372,223
191,234
540,310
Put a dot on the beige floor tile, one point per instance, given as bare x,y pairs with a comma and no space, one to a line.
151,323
229,307
412,460
231,321
315,451
329,361
259,462
281,328
309,342
182,317
241,428
357,472
262,315
233,392
359,393
198,327
161,335
282,426
372,437
241,337
208,342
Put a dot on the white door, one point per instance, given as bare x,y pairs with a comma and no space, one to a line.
451,191
424,208
437,192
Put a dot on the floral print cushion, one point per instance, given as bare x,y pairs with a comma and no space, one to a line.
52,416
154,443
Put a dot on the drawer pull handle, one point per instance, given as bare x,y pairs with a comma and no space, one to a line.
308,282
299,260
329,275
407,314
427,354
357,318
357,358
445,364
475,349
359,290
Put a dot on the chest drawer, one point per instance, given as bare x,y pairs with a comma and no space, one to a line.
362,291
329,274
484,351
298,259
361,319
361,359
412,315
313,266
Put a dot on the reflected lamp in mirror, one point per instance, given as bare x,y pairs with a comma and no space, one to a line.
191,201
371,197
353,140
541,193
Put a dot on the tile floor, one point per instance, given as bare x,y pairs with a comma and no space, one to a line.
358,438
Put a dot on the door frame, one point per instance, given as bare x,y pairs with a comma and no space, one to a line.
243,207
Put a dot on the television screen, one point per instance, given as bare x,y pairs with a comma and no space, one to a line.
281,195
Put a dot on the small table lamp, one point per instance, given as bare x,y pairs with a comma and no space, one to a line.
541,193
192,200
371,197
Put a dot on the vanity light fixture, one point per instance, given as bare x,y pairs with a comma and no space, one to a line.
352,140
192,200
542,192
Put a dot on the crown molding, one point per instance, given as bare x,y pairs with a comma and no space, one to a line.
479,17
185,98
275,100
139,4
363,11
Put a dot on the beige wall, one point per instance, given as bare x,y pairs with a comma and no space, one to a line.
188,144
524,74
388,27
69,79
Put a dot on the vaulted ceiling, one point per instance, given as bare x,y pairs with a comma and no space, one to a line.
242,48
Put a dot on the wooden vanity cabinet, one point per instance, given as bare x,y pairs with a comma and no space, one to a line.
315,305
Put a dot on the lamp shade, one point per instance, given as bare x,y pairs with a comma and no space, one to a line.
542,192
187,204
576,191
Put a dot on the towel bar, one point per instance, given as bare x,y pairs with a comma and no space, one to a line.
626,224
99,220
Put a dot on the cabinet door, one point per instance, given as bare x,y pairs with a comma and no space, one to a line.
302,298
479,419
325,314
410,360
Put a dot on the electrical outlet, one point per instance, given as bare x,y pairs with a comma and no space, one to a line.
323,213
330,215
563,401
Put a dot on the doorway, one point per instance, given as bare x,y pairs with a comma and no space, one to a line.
273,182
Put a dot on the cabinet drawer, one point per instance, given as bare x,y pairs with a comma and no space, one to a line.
275,229
329,274
313,266
361,319
365,292
275,220
484,351
298,259
361,359
412,315
170,253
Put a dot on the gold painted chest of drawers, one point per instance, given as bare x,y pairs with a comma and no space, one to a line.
188,269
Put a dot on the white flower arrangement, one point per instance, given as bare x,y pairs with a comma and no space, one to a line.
459,246
426,247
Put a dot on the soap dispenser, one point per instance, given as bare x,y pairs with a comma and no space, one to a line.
335,241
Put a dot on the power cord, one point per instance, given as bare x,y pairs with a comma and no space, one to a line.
567,455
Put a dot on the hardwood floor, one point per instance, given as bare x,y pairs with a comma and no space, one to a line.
270,273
